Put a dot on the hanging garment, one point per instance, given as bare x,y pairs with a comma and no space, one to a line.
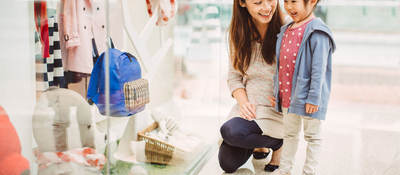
76,77
167,9
80,21
50,71
40,11
55,53
42,79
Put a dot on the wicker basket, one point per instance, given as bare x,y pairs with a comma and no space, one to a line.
156,151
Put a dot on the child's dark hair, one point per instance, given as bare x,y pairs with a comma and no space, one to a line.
306,1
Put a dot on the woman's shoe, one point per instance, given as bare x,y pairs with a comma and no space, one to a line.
260,155
271,168
260,159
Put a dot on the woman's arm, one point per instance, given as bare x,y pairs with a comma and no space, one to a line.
237,88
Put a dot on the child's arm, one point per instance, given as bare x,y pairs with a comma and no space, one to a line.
272,101
320,46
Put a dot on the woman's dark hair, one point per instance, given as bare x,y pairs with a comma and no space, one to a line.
243,33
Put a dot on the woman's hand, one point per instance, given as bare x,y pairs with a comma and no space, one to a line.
247,111
310,108
272,101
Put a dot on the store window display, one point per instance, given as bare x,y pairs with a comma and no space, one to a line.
68,33
70,121
185,61
73,131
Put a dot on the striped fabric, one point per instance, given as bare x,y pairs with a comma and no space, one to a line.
136,94
49,71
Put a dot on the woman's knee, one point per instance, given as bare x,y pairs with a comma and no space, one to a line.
225,130
230,130
227,167
231,158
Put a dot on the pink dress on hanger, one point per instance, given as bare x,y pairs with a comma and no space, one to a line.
82,20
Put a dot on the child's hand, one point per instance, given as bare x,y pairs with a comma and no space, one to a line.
310,108
272,100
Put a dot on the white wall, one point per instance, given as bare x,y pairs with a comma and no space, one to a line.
17,77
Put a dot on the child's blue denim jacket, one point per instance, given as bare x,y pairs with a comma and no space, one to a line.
313,70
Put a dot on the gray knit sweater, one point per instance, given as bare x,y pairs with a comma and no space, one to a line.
258,84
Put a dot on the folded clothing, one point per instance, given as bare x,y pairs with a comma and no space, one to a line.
83,156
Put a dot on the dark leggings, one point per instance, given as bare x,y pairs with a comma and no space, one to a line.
240,138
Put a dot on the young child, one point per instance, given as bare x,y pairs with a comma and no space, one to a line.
302,81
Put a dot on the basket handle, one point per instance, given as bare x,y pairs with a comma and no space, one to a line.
148,129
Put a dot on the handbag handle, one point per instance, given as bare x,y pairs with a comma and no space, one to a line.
95,49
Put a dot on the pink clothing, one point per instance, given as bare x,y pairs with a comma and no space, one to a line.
287,60
42,26
81,20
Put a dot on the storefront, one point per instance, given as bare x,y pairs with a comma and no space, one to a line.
138,87
54,84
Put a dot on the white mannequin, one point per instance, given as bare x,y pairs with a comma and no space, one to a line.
58,115
62,121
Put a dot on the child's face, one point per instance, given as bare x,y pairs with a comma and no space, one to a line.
299,10
260,10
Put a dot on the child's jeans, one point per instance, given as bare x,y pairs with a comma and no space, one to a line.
312,135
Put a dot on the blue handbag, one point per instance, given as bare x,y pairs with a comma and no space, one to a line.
124,70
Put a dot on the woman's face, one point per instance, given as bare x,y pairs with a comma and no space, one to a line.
260,10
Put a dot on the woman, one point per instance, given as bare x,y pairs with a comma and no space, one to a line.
254,126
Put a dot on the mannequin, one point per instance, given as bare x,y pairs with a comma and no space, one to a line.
64,122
